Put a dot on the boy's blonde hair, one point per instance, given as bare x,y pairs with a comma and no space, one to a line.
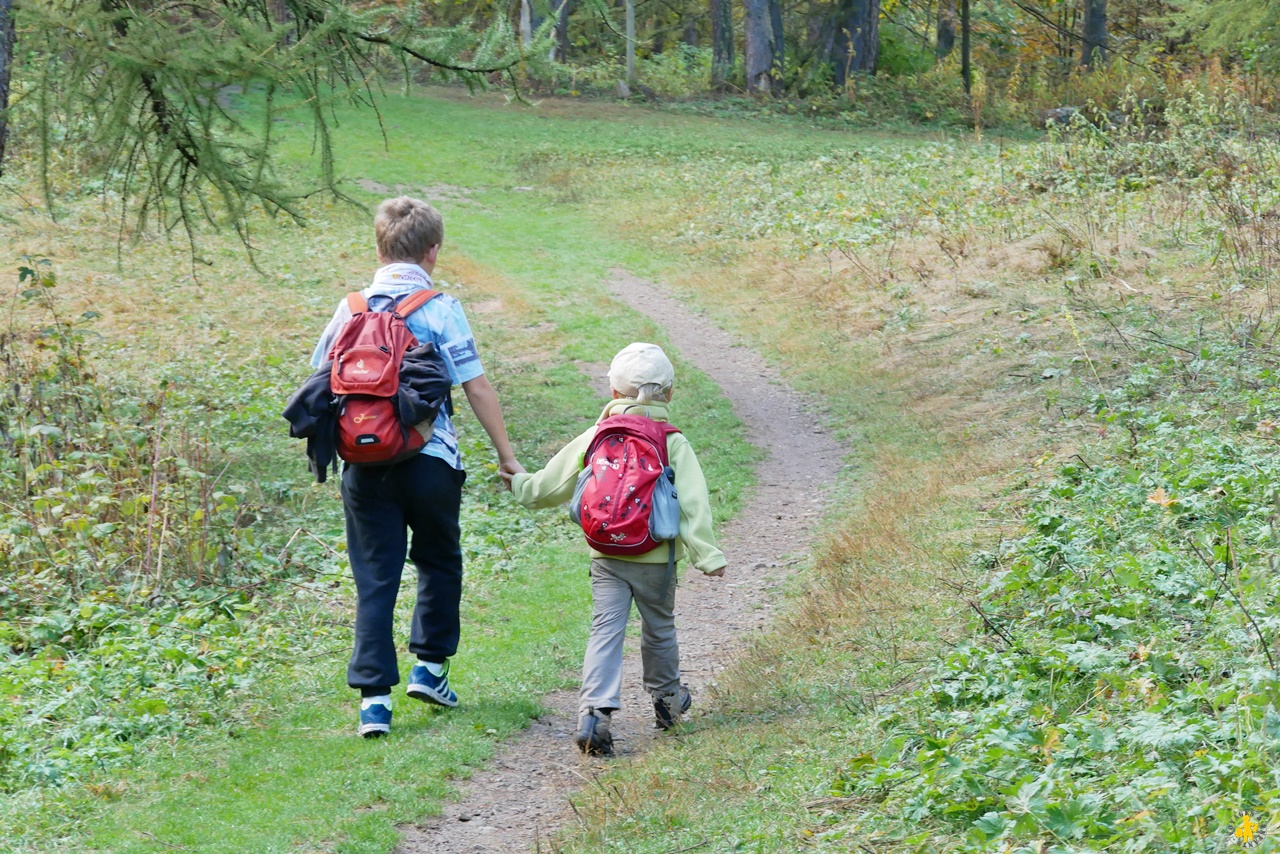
405,228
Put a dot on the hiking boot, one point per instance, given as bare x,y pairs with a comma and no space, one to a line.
429,688
594,738
375,720
668,708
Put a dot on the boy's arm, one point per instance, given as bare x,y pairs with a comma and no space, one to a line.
340,316
554,484
484,403
695,510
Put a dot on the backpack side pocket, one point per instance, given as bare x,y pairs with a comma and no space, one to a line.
575,503
664,518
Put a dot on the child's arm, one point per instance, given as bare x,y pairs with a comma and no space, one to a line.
695,510
554,484
484,403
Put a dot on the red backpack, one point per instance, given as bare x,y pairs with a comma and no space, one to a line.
614,498
366,376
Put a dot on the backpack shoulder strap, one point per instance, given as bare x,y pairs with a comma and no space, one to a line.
414,301
357,303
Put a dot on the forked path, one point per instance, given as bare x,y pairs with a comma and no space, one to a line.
522,799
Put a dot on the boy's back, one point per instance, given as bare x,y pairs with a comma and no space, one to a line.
442,322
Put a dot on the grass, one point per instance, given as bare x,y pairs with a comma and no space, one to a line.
915,286
539,310
961,369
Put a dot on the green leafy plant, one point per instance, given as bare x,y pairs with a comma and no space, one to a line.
1125,692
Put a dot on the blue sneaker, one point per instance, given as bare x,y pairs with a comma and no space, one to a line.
429,688
375,720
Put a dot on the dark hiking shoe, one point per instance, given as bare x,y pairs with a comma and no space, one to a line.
668,708
375,720
429,688
593,737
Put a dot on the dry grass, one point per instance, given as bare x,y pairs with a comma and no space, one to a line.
886,583
154,301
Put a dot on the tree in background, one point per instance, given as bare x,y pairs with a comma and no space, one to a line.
1093,47
630,6
857,42
563,8
7,38
946,38
721,43
761,62
779,43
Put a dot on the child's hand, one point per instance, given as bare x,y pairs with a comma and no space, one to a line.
507,471
716,573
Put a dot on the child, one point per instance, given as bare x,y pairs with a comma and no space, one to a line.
423,495
640,379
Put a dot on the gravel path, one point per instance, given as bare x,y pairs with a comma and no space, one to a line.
517,803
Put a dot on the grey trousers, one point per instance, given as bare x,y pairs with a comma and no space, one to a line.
614,585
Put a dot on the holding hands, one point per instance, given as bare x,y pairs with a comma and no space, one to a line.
507,470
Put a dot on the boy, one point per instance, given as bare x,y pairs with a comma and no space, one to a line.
422,495
640,380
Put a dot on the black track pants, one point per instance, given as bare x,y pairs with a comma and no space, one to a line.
384,505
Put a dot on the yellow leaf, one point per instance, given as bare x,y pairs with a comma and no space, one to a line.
1051,741
1161,497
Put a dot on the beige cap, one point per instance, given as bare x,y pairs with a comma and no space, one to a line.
640,364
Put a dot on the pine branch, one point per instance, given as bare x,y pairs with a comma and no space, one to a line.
436,63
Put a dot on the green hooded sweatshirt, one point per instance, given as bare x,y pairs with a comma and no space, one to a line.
554,485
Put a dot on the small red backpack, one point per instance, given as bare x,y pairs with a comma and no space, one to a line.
614,501
366,377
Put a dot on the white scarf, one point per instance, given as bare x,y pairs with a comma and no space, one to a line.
401,276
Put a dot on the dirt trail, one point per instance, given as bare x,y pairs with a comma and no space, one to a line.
518,802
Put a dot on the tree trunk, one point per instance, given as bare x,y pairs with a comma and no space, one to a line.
691,33
526,23
858,40
1094,49
560,52
758,28
631,41
721,43
8,37
946,28
816,24
779,46
966,70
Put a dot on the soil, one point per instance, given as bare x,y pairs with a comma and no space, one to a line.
436,193
519,802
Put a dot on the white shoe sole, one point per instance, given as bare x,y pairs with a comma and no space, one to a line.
430,695
367,730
